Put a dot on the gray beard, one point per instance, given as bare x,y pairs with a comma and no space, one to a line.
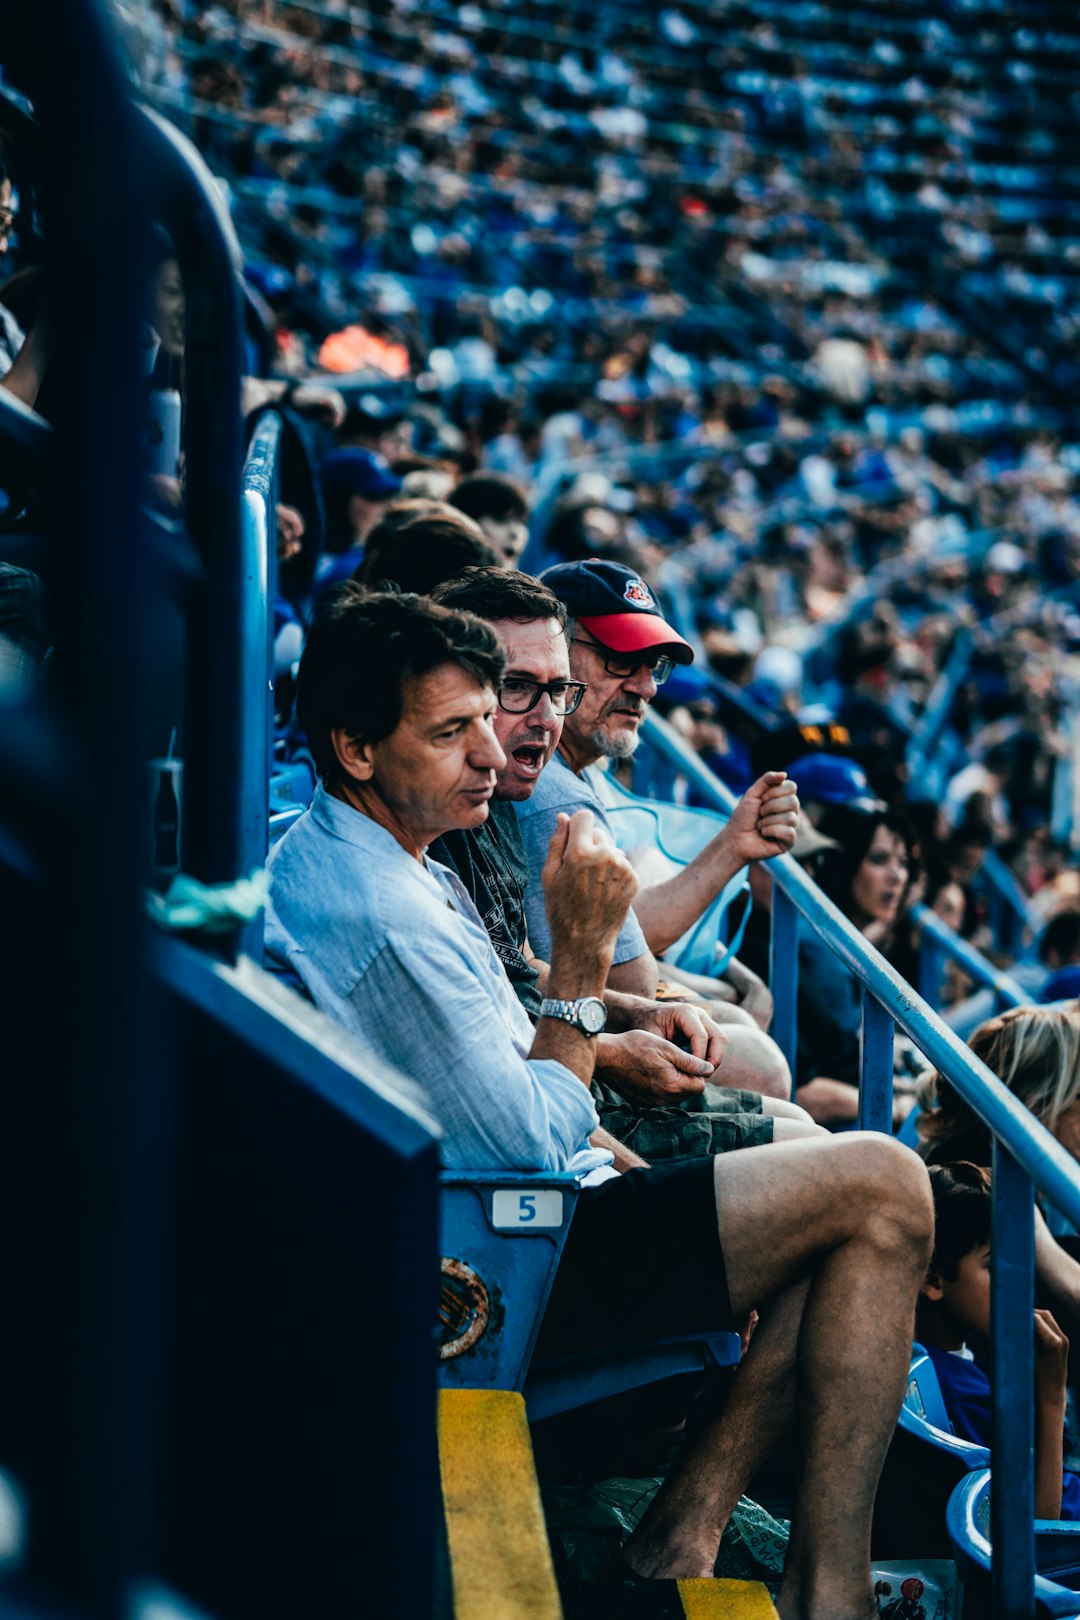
622,746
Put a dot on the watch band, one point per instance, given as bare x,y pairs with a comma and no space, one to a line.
587,1013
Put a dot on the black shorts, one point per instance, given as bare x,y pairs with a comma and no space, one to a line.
642,1261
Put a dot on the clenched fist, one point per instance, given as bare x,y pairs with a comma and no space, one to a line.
765,820
588,887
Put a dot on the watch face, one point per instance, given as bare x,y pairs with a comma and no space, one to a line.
592,1015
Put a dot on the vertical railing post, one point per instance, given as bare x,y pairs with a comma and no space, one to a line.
931,969
256,630
875,1066
784,976
1012,1287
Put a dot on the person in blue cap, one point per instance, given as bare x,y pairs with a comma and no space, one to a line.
825,779
356,487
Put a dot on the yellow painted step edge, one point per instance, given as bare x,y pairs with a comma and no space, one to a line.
499,1553
726,1600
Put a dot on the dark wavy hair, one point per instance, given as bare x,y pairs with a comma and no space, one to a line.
961,1213
417,555
490,495
854,831
363,651
500,593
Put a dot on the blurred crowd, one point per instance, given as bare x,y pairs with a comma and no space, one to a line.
774,306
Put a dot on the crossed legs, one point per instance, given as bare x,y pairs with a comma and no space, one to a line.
836,1234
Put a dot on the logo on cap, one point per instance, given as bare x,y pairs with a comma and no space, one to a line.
637,591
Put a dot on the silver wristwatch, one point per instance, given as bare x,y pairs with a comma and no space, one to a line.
588,1013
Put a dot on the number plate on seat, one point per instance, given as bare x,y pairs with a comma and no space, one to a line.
512,1207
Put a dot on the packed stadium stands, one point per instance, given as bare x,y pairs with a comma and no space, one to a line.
771,308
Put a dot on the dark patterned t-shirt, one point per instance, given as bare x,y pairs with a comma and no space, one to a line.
490,861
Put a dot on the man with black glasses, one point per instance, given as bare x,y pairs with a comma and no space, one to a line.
622,647
636,1059
828,1237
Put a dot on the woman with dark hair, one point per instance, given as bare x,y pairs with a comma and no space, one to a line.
868,877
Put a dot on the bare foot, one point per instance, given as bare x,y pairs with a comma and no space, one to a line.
654,1560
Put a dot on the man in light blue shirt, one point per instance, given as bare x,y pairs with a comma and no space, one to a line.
337,867
829,1237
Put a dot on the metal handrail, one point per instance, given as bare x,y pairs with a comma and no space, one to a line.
940,943
259,563
1044,1159
1025,1155
221,687
924,742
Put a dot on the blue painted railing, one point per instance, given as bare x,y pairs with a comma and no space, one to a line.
925,768
258,530
938,944
1010,916
221,686
1025,1155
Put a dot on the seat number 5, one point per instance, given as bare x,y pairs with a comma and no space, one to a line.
514,1208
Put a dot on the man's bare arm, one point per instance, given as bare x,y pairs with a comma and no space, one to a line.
762,824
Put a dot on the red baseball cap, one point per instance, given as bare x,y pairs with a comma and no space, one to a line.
617,607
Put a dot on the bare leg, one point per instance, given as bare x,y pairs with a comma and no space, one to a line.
781,1108
753,1062
794,1130
853,1213
724,1451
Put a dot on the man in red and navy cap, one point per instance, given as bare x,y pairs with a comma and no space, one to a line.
623,647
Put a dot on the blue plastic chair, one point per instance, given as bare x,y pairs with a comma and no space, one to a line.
1057,1548
678,833
925,1462
502,1239
923,1415
291,789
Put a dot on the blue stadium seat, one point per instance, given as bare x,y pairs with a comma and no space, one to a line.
291,788
502,1239
925,1462
923,1414
1057,1549
676,833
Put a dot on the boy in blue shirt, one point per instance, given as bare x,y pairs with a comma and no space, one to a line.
953,1323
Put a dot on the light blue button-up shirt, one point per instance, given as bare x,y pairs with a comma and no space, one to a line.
396,952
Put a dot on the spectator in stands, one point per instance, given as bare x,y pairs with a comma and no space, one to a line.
498,504
356,487
953,1322
1035,1051
639,1073
428,547
378,425
1059,949
623,649
867,877
397,697
825,780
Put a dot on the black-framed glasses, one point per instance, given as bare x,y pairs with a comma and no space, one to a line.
518,694
626,664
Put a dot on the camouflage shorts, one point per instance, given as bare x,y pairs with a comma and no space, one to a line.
717,1121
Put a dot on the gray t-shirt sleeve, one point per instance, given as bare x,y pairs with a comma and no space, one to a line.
559,789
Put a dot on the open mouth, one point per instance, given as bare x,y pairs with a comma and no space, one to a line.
529,759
